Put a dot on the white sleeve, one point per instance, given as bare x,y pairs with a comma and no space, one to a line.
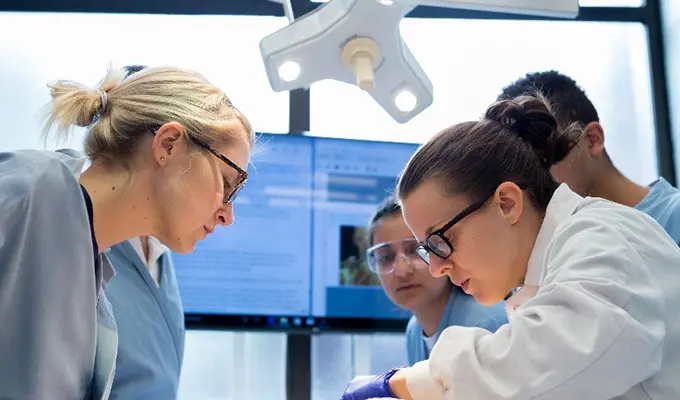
593,331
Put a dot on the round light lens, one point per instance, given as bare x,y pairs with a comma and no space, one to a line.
405,101
289,71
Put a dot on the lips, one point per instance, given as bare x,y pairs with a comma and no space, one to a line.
457,282
463,284
407,287
207,230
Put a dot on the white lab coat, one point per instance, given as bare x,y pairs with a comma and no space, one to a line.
603,323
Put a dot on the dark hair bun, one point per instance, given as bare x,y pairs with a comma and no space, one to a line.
132,69
531,118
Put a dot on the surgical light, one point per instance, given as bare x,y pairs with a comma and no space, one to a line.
289,71
362,55
405,101
358,42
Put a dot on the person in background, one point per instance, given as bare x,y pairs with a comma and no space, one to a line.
435,303
145,299
168,153
598,312
588,169
148,310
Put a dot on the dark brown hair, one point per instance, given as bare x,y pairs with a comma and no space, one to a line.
569,101
517,140
389,207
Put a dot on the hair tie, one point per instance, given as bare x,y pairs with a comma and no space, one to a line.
515,125
104,99
509,122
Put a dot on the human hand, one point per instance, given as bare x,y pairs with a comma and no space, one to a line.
369,387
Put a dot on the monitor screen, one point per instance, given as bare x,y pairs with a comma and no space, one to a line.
295,256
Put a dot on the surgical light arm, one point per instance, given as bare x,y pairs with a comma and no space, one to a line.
359,42
541,8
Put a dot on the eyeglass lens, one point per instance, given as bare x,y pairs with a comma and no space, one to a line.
382,258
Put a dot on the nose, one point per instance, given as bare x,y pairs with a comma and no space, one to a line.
225,215
402,266
439,267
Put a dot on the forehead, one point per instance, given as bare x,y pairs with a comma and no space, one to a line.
238,151
391,228
427,207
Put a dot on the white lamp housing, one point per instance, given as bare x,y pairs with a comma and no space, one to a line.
356,42
359,42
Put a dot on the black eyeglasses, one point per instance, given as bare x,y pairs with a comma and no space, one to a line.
230,190
437,242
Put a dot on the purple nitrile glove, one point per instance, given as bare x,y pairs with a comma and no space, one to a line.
369,387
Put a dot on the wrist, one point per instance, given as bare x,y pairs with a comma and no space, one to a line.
386,381
396,384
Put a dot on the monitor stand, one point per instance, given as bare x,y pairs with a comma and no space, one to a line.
299,366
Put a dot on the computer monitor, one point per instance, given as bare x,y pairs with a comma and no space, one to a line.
294,259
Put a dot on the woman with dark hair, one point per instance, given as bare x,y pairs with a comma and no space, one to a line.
435,303
598,312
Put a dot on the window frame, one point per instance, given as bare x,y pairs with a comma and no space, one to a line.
299,122
298,363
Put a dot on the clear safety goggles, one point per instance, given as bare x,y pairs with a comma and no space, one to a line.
382,258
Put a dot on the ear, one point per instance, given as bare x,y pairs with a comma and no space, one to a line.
510,200
594,134
166,142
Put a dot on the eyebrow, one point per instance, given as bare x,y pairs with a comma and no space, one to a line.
226,182
433,228
228,179
440,224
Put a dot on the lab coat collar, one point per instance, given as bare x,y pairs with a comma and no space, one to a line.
103,273
563,204
107,270
76,162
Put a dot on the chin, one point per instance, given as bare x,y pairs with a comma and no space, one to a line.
487,299
181,246
408,304
184,247
412,302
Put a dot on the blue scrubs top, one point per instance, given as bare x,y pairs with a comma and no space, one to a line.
663,204
461,310
58,335
150,327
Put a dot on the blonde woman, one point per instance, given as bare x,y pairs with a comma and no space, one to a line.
168,155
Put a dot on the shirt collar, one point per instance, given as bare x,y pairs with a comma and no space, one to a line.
156,249
562,204
659,188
